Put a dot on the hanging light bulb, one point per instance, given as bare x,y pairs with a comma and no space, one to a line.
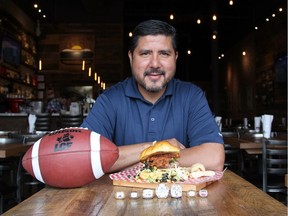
214,35
89,72
83,65
95,76
40,65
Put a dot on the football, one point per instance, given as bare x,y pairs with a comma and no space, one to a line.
70,157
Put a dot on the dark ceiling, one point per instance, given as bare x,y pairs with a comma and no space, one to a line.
233,22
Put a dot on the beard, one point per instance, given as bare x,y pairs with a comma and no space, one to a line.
153,85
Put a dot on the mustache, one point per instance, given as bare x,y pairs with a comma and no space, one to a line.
154,71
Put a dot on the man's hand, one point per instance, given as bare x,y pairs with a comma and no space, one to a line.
176,143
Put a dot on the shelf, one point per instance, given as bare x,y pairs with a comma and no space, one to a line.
17,81
10,67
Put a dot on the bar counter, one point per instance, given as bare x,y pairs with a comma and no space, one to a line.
231,195
19,121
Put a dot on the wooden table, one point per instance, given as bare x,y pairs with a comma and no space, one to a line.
231,195
10,150
251,145
254,145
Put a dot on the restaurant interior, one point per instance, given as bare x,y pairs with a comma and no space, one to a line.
57,57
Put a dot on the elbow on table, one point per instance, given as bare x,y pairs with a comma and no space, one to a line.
214,156
219,164
219,161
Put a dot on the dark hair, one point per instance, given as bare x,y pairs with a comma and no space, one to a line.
153,27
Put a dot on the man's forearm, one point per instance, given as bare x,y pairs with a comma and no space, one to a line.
211,155
129,155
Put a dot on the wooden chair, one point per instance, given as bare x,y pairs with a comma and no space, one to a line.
274,156
67,121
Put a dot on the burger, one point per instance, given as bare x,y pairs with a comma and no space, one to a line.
160,164
161,155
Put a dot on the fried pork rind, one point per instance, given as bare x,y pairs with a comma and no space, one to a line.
198,170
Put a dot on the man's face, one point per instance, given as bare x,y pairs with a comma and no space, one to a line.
153,62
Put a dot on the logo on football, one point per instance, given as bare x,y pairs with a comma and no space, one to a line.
70,157
64,142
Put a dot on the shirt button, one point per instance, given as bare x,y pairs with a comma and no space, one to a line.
152,119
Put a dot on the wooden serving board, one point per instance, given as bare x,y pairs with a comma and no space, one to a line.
185,187
126,178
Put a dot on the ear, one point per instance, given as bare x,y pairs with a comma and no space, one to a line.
130,55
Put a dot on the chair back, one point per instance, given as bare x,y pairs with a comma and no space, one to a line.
43,122
274,156
234,134
232,158
28,138
67,121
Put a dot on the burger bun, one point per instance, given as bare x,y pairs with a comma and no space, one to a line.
161,147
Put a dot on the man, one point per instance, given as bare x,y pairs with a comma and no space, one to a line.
152,105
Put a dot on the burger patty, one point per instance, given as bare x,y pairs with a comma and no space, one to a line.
161,161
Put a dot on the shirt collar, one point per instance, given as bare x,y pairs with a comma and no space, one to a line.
131,89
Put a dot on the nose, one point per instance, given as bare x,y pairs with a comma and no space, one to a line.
154,61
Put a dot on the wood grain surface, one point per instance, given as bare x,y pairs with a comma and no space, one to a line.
231,195
185,187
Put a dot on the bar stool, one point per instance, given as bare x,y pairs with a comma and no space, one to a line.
67,121
27,185
8,175
8,183
43,122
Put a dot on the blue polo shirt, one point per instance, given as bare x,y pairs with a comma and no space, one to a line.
122,115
